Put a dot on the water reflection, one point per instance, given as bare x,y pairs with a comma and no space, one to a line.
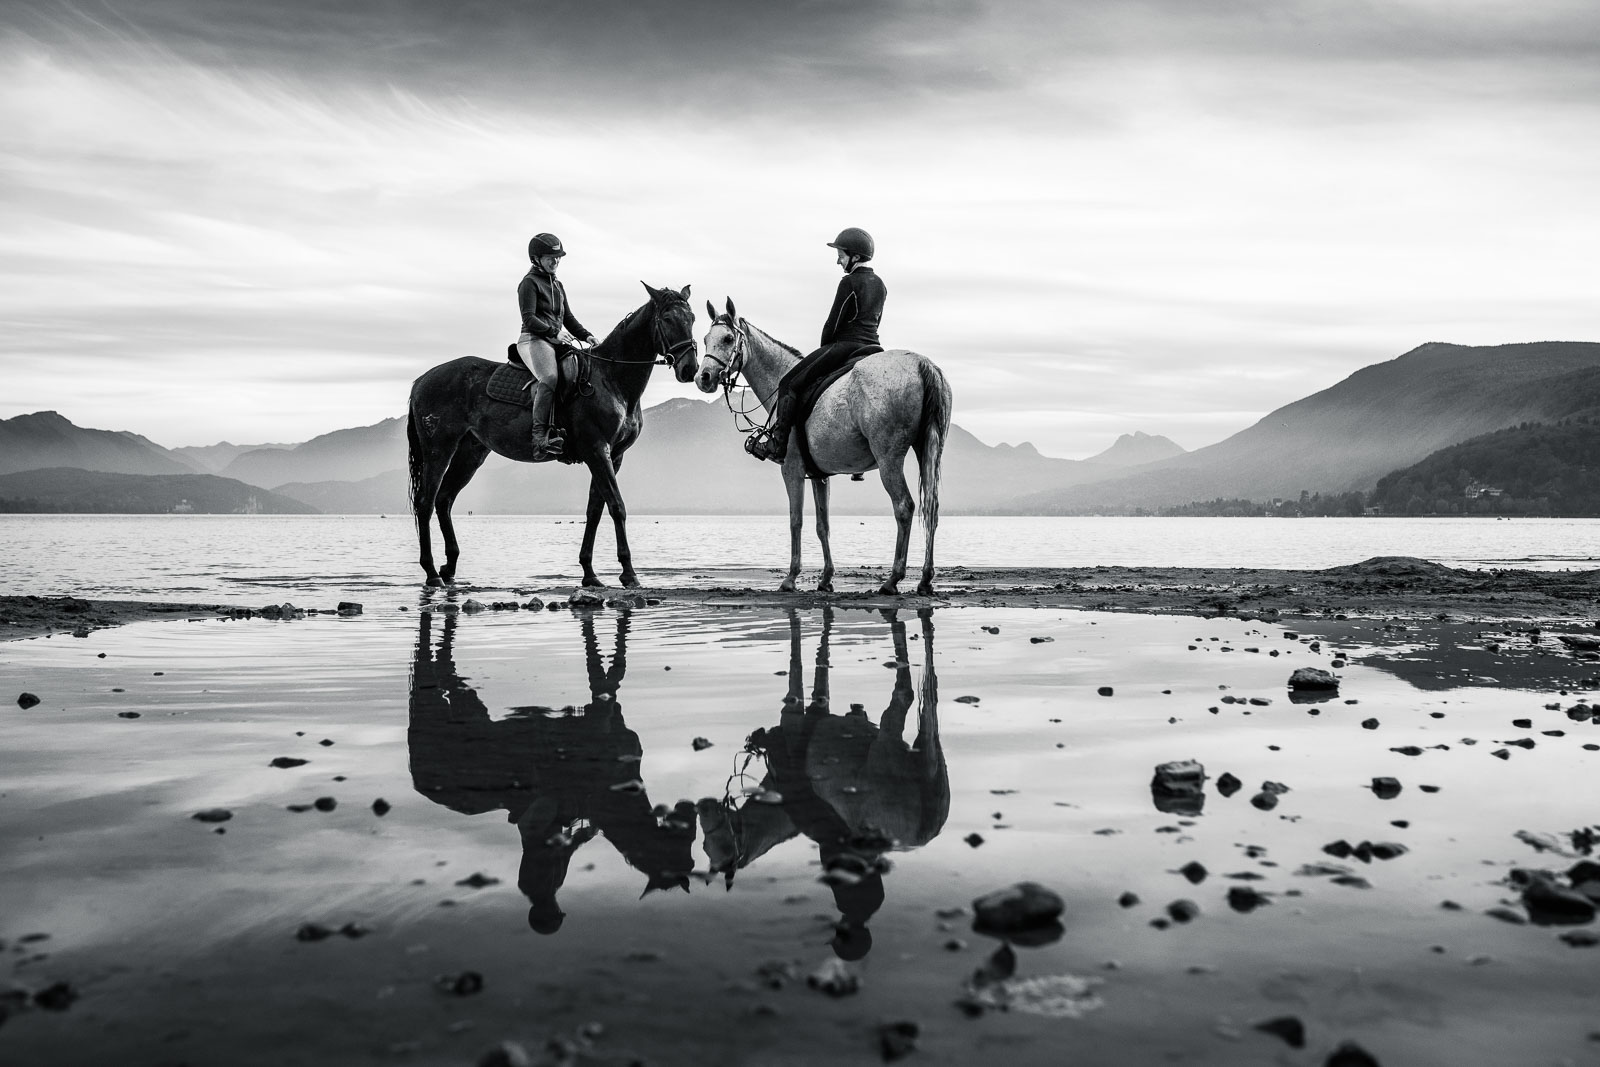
855,788
561,775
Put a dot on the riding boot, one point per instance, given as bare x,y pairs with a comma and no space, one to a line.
547,442
775,445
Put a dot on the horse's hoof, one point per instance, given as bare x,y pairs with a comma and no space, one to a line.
434,582
925,589
593,583
630,581
889,589
786,587
824,587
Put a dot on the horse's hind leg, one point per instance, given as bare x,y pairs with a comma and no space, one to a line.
428,461
819,496
893,474
469,456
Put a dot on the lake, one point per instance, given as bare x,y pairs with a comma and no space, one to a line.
256,559
665,834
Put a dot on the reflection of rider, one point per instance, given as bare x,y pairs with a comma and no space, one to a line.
553,772
852,323
855,789
545,314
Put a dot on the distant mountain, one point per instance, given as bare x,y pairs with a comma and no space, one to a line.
343,455
1345,437
69,489
689,460
47,439
209,459
1136,449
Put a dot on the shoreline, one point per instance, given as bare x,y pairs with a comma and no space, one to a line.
1387,586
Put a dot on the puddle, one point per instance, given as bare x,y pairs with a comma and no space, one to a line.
662,821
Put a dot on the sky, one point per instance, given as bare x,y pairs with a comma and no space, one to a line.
259,221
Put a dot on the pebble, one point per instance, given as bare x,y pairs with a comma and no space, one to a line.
464,984
1040,640
26,701
1288,1027
1128,899
1264,801
973,839
285,762
212,815
968,699
381,807
1023,906
1244,899
325,803
478,880
700,744
1369,724
56,997
1228,785
312,932
834,978
1183,910
1387,788
1194,871
898,1039
1313,678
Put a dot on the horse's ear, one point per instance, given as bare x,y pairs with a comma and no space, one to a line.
732,314
684,292
653,293
711,312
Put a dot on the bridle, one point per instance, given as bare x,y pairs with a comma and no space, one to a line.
728,376
663,354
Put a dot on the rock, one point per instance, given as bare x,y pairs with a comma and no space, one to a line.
285,762
1277,788
1288,1027
966,700
1264,801
898,1039
1369,724
1228,785
212,815
1501,753
700,744
1195,871
1314,678
1581,938
1128,899
381,807
1388,850
534,604
1386,788
1105,691
973,839
834,978
1021,907
506,1054
1339,849
56,997
1040,640
1183,910
312,932
128,715
1550,904
354,931
585,598
464,984
1354,881
472,607
1350,1054
349,607
478,880
325,803
1407,750
26,701
1179,787
1244,899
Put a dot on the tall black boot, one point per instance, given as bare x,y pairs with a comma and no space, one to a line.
775,445
547,442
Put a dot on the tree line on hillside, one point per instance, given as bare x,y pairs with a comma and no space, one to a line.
1533,469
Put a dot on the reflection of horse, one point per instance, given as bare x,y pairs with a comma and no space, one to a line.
560,776
454,425
886,405
856,789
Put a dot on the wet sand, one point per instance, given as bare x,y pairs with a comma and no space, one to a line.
531,762
1396,586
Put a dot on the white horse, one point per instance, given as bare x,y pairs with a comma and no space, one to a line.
888,404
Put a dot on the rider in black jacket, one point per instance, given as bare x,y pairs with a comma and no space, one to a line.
545,314
852,324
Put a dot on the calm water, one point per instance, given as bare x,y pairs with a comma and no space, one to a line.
555,828
249,559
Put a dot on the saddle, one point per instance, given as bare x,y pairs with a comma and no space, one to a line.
807,399
512,381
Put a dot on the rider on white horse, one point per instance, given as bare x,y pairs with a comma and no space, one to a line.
852,324
545,314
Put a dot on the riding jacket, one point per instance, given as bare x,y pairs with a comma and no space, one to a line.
543,302
857,308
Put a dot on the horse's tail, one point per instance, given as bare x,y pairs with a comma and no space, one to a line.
414,464
931,434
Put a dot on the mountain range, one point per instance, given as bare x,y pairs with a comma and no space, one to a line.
1344,438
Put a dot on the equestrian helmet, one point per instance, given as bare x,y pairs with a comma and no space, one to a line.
856,241
548,244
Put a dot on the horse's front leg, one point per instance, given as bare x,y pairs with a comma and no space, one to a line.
604,477
819,496
893,475
794,483
591,523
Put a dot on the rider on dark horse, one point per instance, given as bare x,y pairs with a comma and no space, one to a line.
545,314
852,324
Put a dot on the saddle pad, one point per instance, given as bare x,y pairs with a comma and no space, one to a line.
510,382
808,400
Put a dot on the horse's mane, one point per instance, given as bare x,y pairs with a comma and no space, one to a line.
627,320
793,351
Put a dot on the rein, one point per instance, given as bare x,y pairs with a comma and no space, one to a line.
662,354
728,378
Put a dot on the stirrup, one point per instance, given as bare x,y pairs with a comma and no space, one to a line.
756,443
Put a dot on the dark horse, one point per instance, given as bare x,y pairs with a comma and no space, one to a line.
453,426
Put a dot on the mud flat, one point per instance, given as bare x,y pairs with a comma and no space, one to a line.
1398,586
752,830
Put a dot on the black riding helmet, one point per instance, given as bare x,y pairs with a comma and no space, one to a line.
548,244
856,241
